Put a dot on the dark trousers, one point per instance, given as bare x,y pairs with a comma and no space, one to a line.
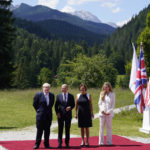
40,130
61,122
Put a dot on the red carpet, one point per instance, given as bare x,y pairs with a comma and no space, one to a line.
119,143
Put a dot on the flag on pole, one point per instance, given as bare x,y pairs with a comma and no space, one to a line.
134,69
141,79
147,96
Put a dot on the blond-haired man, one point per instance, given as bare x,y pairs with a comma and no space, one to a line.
43,103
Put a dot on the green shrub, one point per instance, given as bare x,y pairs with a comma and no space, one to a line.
93,71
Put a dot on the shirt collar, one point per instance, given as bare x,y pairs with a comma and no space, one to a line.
46,94
64,94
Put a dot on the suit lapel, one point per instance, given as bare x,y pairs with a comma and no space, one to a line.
63,100
50,99
61,97
68,98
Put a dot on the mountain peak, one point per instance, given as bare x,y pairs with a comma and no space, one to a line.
24,5
112,24
85,15
39,13
12,7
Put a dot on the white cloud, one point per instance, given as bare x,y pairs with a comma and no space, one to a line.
104,3
49,3
79,2
121,23
111,4
116,10
108,4
68,8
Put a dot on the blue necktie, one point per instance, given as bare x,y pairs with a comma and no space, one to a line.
46,99
65,97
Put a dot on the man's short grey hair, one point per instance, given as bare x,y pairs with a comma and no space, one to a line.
65,85
46,85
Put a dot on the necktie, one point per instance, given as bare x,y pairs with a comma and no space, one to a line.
65,97
46,97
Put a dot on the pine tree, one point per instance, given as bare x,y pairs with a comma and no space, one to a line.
145,38
6,37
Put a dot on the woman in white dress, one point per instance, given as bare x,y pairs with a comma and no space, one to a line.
106,105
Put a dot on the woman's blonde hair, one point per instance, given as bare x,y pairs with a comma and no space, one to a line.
103,92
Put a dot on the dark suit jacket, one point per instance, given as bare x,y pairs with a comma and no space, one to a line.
43,112
60,105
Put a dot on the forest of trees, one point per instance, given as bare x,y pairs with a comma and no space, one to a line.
31,54
54,29
6,37
144,37
119,44
30,58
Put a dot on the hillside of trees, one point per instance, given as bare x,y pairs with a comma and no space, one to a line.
118,46
54,29
144,37
6,38
37,54
37,59
31,54
41,13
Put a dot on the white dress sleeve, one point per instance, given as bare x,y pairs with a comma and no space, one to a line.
78,95
101,104
112,97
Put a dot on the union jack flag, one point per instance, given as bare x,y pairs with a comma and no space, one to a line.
141,80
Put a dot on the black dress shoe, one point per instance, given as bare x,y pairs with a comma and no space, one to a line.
59,146
47,146
36,147
87,145
67,145
82,144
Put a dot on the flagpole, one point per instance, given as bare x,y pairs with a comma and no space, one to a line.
146,120
146,113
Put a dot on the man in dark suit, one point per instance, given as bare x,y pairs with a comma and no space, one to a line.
63,107
43,103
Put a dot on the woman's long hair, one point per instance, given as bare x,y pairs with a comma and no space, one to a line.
103,92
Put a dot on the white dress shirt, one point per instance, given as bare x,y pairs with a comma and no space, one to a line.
65,98
107,105
47,98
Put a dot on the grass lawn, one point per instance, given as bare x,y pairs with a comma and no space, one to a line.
16,110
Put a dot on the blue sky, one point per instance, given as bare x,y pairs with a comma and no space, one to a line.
117,11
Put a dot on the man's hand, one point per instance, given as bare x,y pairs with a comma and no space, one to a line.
58,116
76,116
68,108
92,115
